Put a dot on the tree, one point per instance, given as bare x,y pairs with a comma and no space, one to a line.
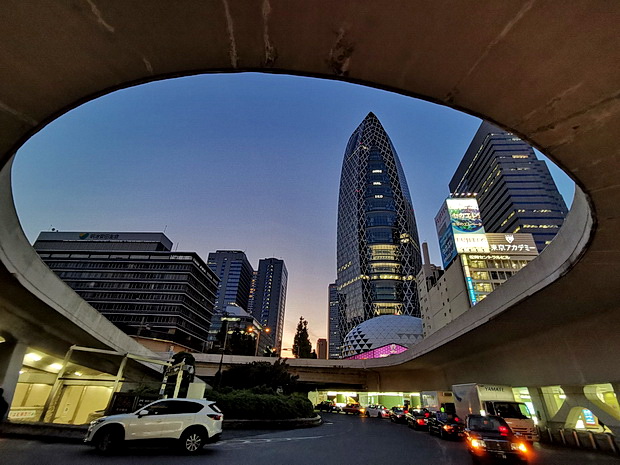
301,344
260,374
240,343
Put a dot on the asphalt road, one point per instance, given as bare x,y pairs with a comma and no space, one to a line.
341,440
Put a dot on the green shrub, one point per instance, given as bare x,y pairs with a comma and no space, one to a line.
248,405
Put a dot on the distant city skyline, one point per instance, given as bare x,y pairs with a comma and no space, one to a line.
241,161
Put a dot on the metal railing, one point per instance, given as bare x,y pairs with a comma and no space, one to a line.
604,442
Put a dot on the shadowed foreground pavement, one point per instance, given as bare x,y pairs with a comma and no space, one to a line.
340,440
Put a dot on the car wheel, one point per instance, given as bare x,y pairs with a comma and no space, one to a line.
108,440
379,415
442,434
192,441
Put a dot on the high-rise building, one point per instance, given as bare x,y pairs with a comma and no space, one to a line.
516,192
476,263
161,297
321,349
378,252
269,299
235,273
335,341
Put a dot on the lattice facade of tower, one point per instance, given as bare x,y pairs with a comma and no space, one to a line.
378,251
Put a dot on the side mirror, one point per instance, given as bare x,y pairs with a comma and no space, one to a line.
143,413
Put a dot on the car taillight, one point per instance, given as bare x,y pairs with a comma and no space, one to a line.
503,430
456,419
426,415
214,416
420,421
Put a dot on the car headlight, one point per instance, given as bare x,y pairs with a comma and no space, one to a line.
97,421
518,446
478,444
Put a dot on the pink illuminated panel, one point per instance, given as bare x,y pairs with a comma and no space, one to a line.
384,351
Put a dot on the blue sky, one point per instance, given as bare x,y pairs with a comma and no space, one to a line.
238,161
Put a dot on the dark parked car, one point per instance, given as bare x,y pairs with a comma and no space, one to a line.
397,415
327,406
418,419
489,439
445,425
355,409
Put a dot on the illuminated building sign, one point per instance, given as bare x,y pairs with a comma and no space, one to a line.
589,417
466,243
465,216
515,244
456,219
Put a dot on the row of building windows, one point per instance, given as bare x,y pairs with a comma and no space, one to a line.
117,265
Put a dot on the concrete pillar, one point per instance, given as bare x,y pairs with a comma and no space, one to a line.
540,407
575,400
11,361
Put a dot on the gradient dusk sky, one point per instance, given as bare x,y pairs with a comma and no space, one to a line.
235,161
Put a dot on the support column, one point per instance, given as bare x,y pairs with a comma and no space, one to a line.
577,399
542,413
11,361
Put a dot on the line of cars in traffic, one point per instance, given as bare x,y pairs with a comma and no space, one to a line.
488,437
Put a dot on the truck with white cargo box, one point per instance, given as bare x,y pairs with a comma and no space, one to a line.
434,401
490,399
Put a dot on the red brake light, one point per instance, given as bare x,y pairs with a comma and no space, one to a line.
426,415
503,430
420,421
456,419
214,416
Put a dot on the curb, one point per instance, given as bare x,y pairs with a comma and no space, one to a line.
44,431
273,424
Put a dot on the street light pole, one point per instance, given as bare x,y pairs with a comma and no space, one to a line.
218,375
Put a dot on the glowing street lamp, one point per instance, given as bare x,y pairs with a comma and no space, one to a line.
251,329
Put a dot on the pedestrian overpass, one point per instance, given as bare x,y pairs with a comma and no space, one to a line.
547,71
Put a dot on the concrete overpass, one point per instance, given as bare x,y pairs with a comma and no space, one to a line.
548,71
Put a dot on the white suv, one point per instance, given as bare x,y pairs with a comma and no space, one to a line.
191,422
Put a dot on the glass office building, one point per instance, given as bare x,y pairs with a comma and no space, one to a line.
516,192
378,252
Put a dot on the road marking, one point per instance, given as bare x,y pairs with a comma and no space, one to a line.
262,440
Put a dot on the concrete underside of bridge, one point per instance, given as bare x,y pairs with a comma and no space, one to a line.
548,71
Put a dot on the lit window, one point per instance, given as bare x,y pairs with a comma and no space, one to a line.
376,183
378,196
377,171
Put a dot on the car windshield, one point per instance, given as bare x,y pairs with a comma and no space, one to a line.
397,410
512,410
484,424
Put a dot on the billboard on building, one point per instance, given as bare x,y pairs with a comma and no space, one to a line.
445,236
465,216
458,221
512,244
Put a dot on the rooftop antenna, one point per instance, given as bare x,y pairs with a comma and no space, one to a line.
165,227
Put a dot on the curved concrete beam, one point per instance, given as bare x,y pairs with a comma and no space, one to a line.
549,71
